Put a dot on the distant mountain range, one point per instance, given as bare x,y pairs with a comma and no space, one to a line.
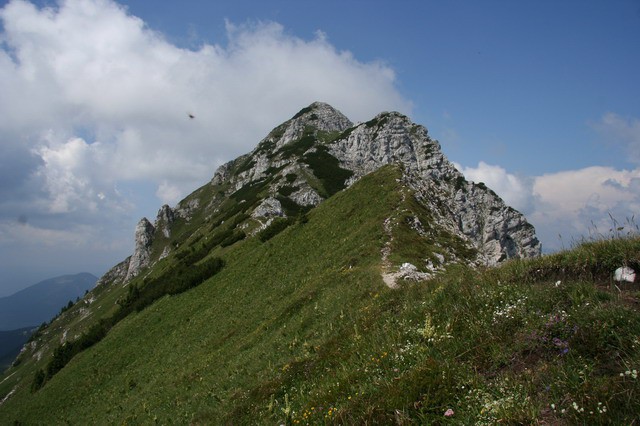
40,302
10,344
23,312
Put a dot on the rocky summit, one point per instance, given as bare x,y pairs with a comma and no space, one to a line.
319,152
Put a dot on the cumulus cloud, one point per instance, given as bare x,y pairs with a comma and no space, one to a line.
77,177
584,203
87,66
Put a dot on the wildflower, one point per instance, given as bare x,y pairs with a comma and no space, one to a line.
449,413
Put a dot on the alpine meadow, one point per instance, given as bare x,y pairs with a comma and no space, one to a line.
342,273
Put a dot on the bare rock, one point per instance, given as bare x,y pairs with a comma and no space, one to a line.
164,220
624,273
142,253
270,207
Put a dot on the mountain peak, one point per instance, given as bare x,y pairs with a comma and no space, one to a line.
319,152
321,116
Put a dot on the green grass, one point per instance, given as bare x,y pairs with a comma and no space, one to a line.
300,329
327,169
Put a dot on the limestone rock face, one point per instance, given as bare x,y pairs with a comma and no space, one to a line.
270,207
115,275
222,174
306,196
392,138
498,231
257,164
142,253
318,115
475,212
164,220
185,208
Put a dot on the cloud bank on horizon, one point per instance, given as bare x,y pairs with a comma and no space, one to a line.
95,128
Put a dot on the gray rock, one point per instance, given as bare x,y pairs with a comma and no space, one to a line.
270,207
186,207
624,273
115,275
306,196
141,256
497,231
164,220
473,212
165,252
318,115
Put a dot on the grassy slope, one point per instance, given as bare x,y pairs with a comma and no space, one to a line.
229,330
301,329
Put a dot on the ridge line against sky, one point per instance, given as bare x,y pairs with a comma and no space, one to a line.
539,100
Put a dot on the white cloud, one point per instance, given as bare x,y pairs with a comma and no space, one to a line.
67,171
583,203
88,66
168,193
515,191
598,187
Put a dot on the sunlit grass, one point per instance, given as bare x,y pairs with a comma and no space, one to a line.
300,329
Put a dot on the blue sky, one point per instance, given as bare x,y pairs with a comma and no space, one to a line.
540,100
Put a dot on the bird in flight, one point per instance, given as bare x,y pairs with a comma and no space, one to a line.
191,116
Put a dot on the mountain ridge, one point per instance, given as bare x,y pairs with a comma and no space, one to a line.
320,151
373,303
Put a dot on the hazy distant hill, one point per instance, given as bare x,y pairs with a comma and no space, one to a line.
10,344
40,302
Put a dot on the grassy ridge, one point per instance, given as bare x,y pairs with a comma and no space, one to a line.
217,331
300,329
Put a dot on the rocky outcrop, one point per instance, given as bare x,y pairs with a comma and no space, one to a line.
164,220
261,161
115,275
475,212
496,230
141,256
306,196
186,207
270,207
318,115
499,231
392,138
